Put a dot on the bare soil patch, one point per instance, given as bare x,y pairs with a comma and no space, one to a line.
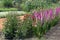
2,20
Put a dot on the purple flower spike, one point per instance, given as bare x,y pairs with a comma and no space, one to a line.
51,13
57,11
39,15
46,15
42,17
35,13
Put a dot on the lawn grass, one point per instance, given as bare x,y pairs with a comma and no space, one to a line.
8,9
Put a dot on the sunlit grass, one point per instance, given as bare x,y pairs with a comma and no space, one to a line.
8,9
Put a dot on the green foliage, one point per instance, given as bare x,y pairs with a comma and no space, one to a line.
37,30
8,9
25,29
52,1
17,29
41,29
33,4
10,26
7,3
18,1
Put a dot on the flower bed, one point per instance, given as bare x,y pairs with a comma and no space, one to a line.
44,20
33,25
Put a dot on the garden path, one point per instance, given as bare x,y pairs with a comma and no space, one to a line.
54,33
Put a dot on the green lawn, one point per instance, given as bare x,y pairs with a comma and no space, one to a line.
8,9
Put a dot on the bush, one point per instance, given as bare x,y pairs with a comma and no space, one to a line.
11,25
25,29
7,3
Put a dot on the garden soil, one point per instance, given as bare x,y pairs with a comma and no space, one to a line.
1,23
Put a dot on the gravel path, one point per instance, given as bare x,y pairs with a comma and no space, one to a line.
54,33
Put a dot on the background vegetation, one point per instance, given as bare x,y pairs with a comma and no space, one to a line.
28,5
15,28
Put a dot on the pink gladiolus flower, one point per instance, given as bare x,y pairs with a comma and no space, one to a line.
46,15
42,16
35,13
39,16
51,12
57,11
